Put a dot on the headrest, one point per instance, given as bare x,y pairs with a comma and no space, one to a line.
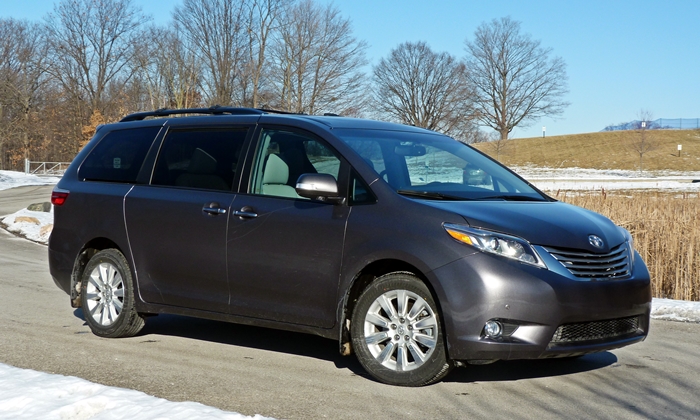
202,163
276,171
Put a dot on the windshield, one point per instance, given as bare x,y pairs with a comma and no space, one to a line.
433,166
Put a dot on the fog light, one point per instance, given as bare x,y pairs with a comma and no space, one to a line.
493,329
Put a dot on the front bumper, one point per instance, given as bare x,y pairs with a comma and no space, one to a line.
533,303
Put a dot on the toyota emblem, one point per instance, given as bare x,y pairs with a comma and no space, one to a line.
595,241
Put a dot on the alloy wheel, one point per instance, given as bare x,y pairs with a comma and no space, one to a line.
400,330
105,294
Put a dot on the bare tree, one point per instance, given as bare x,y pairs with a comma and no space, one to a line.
22,71
417,86
170,71
217,31
515,80
499,145
318,62
92,46
263,21
643,142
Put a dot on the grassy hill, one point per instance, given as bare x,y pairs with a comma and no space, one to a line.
604,150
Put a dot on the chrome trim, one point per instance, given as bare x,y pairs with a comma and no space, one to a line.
612,265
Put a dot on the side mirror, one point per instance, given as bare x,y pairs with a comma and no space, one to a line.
321,187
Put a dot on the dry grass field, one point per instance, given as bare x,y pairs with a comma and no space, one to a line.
603,150
666,232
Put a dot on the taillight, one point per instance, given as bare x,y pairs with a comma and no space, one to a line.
59,196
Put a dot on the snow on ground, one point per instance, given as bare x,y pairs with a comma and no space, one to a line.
27,394
12,179
675,310
33,225
580,179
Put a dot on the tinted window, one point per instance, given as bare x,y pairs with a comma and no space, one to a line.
118,156
203,159
283,156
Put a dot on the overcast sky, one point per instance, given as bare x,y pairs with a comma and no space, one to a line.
621,56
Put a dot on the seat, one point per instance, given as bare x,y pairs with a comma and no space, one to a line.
291,151
275,177
201,173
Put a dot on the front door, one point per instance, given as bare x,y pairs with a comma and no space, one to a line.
284,251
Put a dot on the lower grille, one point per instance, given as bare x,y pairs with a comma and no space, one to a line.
596,330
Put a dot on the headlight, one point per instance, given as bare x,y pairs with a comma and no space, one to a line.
496,243
630,243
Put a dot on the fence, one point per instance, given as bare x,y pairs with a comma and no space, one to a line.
678,123
45,168
659,124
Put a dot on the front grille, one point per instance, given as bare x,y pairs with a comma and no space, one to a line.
612,265
596,330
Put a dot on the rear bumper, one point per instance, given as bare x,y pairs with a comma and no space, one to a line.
533,303
60,265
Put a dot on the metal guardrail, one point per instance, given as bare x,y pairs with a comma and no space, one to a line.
45,168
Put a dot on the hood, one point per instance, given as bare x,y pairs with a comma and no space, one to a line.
552,224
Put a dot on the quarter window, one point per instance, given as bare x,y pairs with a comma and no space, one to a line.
118,157
360,193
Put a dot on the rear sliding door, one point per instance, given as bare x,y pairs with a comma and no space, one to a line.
177,225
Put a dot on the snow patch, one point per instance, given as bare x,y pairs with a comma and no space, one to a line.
27,394
12,179
675,310
589,180
33,225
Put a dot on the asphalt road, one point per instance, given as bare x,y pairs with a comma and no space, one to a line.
17,198
296,376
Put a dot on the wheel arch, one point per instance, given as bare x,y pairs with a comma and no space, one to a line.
89,249
363,279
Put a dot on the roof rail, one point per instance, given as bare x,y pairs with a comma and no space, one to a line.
214,110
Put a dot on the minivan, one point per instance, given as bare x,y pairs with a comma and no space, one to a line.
414,251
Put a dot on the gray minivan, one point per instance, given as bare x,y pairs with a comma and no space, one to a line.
415,251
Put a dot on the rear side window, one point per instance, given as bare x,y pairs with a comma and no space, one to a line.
203,158
118,156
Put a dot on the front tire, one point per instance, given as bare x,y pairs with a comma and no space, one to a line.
107,296
396,332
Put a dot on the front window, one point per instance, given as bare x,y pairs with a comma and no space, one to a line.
285,155
434,166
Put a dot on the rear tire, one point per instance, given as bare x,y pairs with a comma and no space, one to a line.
396,332
107,296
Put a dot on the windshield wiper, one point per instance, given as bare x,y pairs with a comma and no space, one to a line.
431,195
512,197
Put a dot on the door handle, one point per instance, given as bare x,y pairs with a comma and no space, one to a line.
246,212
213,209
